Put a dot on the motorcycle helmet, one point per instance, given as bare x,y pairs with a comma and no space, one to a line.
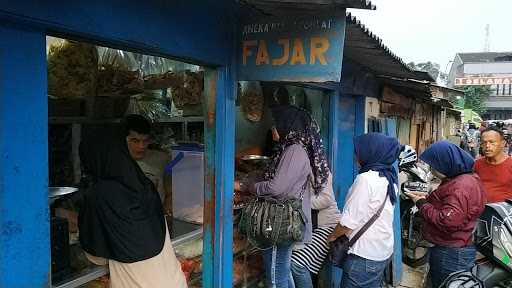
493,234
462,279
407,156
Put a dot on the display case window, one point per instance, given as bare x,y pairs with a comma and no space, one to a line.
92,86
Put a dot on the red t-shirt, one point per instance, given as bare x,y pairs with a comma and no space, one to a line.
497,179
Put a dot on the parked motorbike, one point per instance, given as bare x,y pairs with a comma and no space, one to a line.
413,177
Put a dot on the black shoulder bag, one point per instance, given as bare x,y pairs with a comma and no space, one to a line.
339,247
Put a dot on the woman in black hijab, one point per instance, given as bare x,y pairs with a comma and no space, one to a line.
121,217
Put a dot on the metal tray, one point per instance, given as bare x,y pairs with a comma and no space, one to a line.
55,193
254,157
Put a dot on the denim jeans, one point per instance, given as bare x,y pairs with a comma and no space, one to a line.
359,272
277,261
446,260
301,276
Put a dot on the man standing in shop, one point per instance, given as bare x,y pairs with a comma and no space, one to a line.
495,168
152,162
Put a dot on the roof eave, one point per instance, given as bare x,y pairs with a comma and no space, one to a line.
310,4
363,47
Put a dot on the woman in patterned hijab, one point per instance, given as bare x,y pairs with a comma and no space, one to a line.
296,126
298,156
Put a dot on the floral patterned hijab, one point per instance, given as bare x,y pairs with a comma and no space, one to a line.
296,126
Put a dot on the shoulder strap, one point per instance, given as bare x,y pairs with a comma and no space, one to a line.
307,185
368,224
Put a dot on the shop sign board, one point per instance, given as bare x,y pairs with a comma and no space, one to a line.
292,48
472,81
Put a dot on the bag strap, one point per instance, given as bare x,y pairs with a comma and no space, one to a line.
307,185
368,224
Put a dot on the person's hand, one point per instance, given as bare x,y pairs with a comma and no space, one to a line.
337,233
415,196
237,185
168,210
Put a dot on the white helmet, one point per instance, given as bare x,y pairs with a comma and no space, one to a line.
407,156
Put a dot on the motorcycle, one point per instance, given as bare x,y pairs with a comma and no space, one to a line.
413,177
493,239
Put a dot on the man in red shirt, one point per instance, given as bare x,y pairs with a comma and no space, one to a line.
495,168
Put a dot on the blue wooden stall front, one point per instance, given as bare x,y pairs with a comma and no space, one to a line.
396,263
200,32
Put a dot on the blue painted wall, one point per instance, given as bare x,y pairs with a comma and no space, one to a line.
24,218
218,228
196,30
342,127
396,263
225,177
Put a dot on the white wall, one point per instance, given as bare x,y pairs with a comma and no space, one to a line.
488,68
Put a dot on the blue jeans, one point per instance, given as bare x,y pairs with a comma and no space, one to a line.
301,276
277,266
359,272
446,260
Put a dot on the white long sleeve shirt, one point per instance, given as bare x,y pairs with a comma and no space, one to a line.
329,215
363,200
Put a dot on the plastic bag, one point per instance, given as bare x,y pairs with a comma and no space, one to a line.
119,59
153,109
188,88
72,69
119,72
154,65
252,100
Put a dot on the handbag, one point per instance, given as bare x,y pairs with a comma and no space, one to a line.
339,247
268,221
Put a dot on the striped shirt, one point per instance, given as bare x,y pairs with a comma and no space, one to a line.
313,254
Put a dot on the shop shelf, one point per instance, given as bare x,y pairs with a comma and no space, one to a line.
84,277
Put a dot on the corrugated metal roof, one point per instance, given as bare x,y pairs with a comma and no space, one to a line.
365,48
452,90
485,57
418,89
272,6
422,75
408,87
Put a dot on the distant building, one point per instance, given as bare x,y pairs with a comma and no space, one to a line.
487,68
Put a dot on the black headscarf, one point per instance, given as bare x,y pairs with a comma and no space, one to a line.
296,126
121,216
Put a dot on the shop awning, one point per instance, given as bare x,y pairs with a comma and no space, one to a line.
452,91
422,75
419,89
441,102
413,88
366,49
271,6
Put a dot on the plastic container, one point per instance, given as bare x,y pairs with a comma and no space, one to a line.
188,183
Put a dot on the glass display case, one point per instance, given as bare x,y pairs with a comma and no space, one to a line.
103,86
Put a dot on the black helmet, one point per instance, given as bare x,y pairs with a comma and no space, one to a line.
462,279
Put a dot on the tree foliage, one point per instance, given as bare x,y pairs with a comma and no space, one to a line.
432,68
475,97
